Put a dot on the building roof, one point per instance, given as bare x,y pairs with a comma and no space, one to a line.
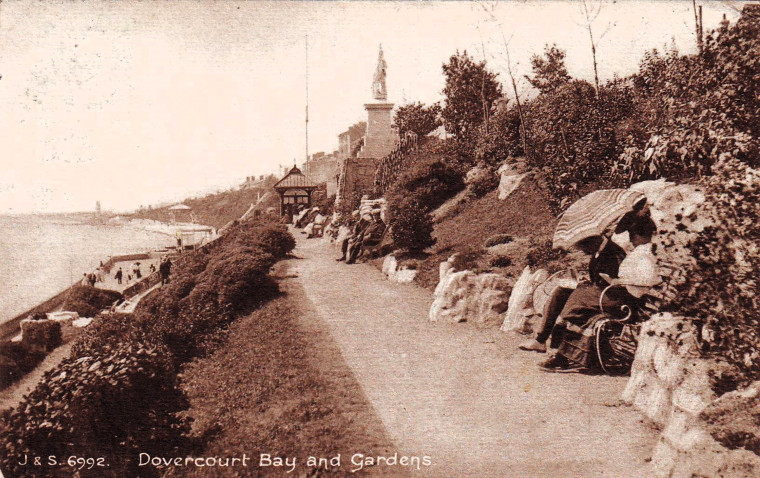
295,179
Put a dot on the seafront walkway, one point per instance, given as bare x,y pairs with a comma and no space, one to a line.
463,395
110,282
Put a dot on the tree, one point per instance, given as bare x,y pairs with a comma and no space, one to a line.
417,118
549,71
470,90
590,12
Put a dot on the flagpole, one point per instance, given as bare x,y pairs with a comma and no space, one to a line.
307,104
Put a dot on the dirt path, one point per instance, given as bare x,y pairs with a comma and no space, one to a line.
466,396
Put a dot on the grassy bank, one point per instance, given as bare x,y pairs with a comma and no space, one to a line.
278,385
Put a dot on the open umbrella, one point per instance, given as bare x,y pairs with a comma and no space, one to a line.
592,214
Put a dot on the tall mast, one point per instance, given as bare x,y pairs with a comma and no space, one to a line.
307,105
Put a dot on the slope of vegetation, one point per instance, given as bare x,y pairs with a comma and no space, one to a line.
688,118
216,209
118,394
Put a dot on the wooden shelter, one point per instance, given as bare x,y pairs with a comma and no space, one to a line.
295,190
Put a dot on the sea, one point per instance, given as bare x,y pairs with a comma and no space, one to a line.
42,255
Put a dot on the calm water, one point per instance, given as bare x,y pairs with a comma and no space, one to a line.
40,256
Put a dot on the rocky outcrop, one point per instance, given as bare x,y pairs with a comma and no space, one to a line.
400,274
465,296
670,384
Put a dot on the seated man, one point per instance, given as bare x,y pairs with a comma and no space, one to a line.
370,237
358,228
568,312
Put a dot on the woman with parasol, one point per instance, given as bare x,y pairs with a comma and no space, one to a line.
589,226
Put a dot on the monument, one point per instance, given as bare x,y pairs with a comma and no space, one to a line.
380,138
357,174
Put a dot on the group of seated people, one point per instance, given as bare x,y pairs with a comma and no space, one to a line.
312,221
570,314
366,233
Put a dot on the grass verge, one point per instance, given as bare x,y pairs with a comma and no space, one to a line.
279,385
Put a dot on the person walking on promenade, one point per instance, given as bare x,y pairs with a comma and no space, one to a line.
85,279
118,276
91,279
164,270
136,270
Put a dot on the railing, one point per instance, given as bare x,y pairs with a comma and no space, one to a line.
394,163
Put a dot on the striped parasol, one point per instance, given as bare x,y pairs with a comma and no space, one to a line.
591,215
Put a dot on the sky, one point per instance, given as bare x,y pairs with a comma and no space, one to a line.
136,103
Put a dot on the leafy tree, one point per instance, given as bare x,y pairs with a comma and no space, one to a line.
471,90
549,71
417,118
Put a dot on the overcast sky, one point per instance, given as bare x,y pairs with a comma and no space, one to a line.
136,103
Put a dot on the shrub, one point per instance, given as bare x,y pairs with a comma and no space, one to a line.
541,253
497,239
481,180
430,183
467,259
107,332
237,275
413,196
88,301
711,253
273,238
412,226
41,334
16,360
113,404
698,109
500,261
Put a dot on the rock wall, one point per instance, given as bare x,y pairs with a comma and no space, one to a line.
465,296
357,178
670,384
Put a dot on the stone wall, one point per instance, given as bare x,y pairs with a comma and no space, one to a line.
670,384
357,178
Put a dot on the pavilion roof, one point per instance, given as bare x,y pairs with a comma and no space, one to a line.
295,179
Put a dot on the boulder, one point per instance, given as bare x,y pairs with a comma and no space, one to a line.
520,307
397,273
465,296
510,177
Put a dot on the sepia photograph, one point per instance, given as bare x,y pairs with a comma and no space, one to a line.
439,239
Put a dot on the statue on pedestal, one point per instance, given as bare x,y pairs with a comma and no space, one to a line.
379,91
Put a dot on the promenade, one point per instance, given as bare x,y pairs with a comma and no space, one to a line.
462,395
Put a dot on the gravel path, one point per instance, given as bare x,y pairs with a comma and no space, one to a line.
466,396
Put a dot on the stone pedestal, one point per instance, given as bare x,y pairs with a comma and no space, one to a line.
380,138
